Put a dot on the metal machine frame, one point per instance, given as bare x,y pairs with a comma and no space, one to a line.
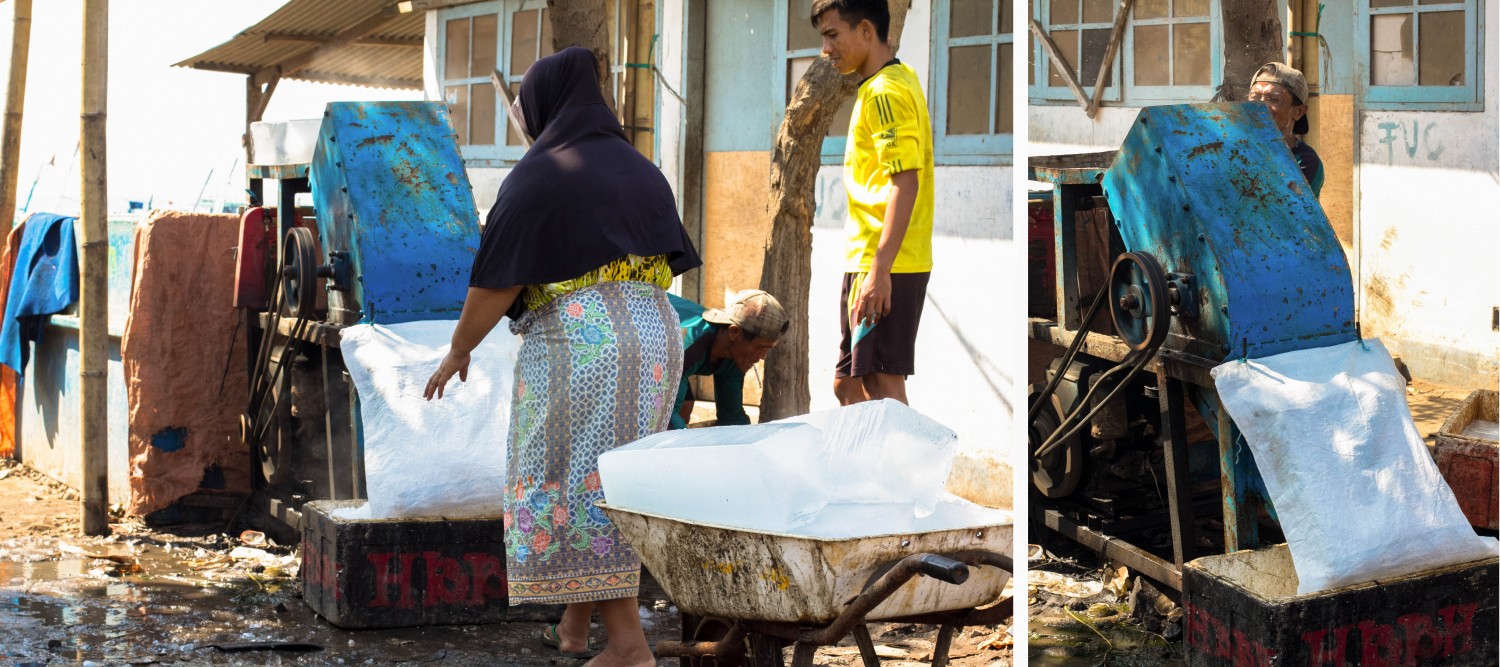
1211,193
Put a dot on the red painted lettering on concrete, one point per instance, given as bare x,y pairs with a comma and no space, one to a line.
1378,645
1415,628
1212,637
446,583
384,577
1458,628
488,578
1421,637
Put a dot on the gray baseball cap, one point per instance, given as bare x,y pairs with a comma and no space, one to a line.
756,312
1292,80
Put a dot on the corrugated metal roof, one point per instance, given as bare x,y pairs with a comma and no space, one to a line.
258,47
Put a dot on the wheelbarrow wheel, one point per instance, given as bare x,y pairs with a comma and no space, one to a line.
765,650
709,629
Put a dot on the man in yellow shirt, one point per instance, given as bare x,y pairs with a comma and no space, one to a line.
888,175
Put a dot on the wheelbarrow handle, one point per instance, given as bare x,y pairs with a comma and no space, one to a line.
943,568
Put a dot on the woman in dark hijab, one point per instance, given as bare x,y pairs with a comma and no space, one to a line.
578,249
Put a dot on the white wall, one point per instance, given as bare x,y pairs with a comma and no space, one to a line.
1428,232
969,351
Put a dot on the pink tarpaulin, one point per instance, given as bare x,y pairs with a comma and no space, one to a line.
184,429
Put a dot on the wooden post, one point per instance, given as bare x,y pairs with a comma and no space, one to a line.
15,105
94,296
1061,65
1116,34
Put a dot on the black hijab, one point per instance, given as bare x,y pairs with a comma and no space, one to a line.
582,196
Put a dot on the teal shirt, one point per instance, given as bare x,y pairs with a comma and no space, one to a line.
729,381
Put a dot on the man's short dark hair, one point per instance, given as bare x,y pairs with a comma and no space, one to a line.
877,12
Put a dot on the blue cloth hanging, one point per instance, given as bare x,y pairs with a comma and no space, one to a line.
45,282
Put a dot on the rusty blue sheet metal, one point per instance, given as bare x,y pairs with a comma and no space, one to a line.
1212,190
396,214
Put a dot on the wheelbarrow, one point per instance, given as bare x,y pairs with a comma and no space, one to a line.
745,595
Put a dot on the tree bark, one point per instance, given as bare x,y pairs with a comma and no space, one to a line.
787,268
583,23
1252,37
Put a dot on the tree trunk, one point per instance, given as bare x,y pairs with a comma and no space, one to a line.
787,267
583,23
1252,37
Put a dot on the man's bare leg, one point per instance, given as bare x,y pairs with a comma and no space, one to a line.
850,390
885,385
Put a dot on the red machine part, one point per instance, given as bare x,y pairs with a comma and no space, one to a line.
257,243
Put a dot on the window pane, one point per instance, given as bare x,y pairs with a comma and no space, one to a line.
1151,66
456,50
523,41
969,90
795,68
1098,11
1390,3
1004,119
482,114
1064,12
1094,43
1390,50
1441,55
1182,8
1149,9
458,111
800,34
1067,45
971,17
1005,17
482,57
1190,57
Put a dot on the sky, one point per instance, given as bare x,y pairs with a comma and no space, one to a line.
168,127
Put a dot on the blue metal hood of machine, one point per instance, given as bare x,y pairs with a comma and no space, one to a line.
396,214
1213,190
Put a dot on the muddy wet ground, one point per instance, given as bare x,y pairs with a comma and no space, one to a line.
197,596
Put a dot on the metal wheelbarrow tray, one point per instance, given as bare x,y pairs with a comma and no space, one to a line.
778,588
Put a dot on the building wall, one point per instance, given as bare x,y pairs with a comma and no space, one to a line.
1406,193
1428,233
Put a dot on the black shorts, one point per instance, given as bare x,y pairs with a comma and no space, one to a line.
891,346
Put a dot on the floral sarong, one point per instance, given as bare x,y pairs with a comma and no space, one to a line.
598,368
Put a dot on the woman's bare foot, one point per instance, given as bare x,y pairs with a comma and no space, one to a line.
622,658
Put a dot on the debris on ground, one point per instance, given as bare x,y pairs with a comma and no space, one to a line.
196,595
1089,613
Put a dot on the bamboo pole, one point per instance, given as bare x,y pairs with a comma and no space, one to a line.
94,306
15,105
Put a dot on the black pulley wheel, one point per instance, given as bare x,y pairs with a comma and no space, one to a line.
1138,300
1057,474
299,273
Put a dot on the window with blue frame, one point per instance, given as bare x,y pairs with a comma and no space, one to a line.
1422,53
801,45
972,79
475,40
1080,29
1170,51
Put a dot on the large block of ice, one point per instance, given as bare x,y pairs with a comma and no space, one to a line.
439,458
867,462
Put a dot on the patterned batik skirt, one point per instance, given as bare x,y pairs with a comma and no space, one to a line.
598,368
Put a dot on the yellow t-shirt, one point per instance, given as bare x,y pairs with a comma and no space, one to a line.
889,133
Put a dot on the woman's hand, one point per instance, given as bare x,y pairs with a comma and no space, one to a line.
452,363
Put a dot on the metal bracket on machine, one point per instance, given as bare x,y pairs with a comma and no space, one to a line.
1182,294
337,270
